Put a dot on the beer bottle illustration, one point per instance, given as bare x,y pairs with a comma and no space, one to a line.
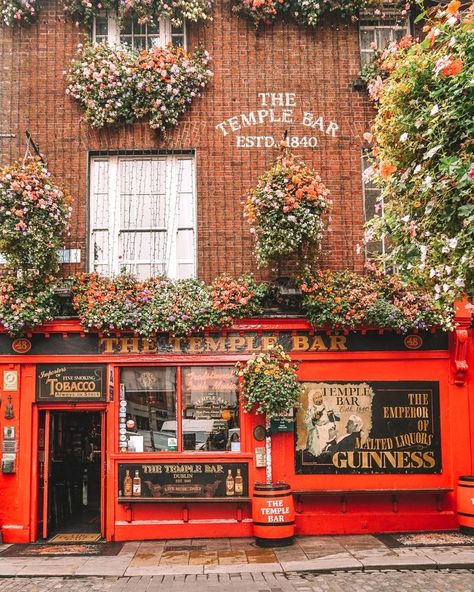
137,485
127,485
229,484
239,484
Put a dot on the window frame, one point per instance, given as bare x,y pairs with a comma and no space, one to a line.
113,263
389,14
179,367
368,187
113,30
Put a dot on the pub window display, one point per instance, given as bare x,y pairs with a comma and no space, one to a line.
150,398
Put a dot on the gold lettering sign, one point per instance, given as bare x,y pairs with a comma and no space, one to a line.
223,344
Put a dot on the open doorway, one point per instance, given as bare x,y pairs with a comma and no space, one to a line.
73,484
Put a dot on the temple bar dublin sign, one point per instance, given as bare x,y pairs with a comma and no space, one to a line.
70,382
183,480
368,427
229,342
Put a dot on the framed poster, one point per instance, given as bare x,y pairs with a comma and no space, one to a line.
368,427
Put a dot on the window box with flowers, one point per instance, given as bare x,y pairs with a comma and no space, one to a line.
118,85
13,12
305,13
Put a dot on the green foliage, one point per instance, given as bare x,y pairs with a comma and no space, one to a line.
25,305
118,85
163,305
269,384
287,210
34,216
346,300
307,12
424,161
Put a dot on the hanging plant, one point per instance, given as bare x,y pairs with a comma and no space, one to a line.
34,216
117,85
144,11
269,384
163,305
347,300
423,156
306,13
14,12
287,210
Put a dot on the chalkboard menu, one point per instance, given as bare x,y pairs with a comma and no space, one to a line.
368,427
70,382
183,480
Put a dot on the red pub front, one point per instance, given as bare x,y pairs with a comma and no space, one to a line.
138,438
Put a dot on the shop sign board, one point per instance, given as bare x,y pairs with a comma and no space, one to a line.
294,342
368,427
70,382
183,480
284,423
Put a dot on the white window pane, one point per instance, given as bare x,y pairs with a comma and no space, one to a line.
142,246
142,271
101,26
99,199
101,269
100,246
142,211
142,215
186,210
185,246
186,271
384,36
366,38
185,176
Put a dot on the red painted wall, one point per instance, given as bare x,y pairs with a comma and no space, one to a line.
320,514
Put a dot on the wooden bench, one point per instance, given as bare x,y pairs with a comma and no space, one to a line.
439,492
184,501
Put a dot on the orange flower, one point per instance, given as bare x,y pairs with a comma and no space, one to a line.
387,169
453,7
452,68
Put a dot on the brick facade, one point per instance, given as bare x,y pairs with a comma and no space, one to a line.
318,65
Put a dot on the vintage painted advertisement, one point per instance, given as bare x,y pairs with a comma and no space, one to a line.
368,427
70,382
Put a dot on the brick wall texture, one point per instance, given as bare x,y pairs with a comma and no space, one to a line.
317,65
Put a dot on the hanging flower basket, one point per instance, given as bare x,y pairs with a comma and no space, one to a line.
287,210
269,383
34,217
117,85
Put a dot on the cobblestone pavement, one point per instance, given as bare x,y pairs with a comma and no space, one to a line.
371,581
